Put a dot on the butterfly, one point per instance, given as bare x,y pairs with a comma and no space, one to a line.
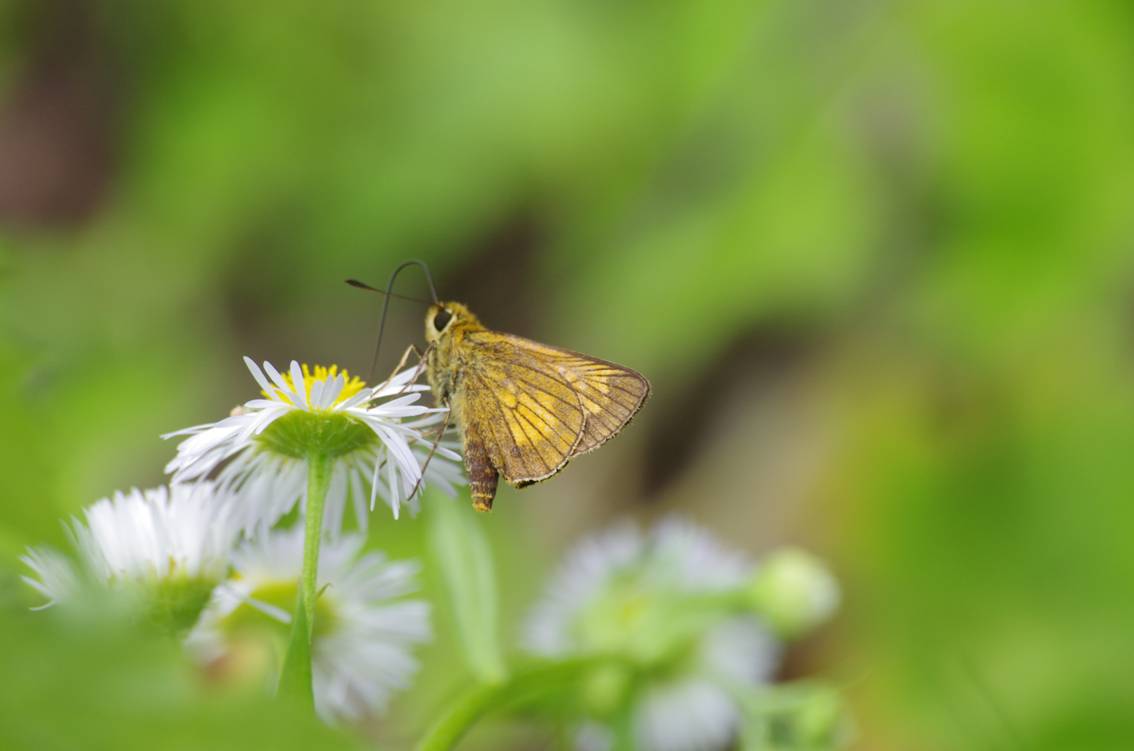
523,409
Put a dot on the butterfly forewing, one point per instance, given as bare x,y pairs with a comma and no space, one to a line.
538,406
527,414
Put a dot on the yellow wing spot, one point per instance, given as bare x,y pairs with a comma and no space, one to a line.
527,440
545,414
548,401
514,427
546,428
534,436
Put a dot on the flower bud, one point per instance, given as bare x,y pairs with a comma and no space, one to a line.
794,592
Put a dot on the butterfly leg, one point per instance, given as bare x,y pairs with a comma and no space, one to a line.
482,475
422,362
432,451
410,350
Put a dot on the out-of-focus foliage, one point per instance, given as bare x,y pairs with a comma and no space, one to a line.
875,256
464,562
84,677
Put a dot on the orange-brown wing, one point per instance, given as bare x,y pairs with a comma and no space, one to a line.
526,413
609,394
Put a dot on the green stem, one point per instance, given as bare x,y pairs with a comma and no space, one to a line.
318,480
295,678
487,698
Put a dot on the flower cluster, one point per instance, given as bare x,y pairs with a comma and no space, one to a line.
686,640
208,558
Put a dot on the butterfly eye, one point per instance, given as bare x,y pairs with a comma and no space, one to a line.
441,320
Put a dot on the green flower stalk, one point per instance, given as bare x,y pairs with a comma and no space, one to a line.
318,480
296,676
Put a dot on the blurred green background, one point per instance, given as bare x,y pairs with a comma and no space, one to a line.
876,257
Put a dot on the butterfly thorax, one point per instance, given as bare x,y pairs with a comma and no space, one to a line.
446,325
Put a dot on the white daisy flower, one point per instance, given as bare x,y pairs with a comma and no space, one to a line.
261,450
648,597
160,533
172,542
364,628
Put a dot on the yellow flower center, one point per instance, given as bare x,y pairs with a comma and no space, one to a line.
351,386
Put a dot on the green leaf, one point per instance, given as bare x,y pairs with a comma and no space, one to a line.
464,560
295,676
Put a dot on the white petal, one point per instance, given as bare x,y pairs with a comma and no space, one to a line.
300,384
281,385
259,376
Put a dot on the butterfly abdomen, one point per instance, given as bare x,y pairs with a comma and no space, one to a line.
482,474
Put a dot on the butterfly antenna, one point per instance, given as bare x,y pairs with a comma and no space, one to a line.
388,293
368,288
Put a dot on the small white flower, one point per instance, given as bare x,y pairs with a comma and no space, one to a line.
364,628
142,536
160,533
170,542
259,453
616,591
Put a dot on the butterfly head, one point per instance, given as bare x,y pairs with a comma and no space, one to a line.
444,317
